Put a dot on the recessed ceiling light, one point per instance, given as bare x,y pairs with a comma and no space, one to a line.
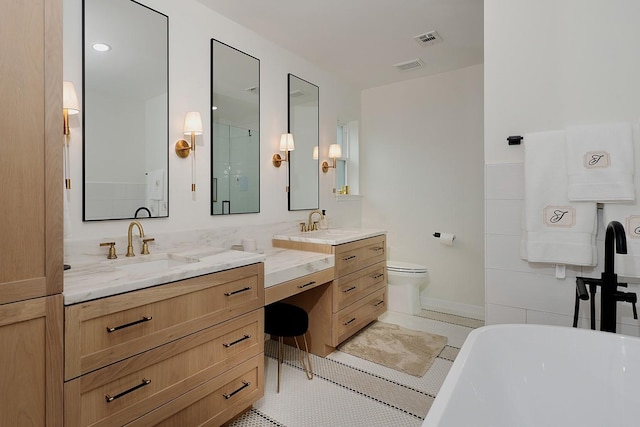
101,47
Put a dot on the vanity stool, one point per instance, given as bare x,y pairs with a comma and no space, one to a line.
286,320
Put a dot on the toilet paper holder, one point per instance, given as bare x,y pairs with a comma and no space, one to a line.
449,238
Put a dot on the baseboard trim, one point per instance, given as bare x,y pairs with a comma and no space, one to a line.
451,307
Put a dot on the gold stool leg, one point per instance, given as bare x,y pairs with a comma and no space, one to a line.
280,357
308,370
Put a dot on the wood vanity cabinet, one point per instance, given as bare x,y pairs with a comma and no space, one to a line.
31,258
356,296
183,353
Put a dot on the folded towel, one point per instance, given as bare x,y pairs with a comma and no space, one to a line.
600,163
628,214
155,184
556,230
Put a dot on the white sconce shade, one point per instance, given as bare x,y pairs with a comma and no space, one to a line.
315,153
70,98
286,142
335,151
193,123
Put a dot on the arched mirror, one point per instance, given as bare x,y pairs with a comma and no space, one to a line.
125,110
235,136
303,124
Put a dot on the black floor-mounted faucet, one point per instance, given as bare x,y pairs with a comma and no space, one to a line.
615,241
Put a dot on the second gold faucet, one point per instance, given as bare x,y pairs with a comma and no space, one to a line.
145,242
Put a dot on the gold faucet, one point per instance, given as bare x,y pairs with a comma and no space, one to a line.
130,237
311,226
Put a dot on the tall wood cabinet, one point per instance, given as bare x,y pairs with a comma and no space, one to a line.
31,245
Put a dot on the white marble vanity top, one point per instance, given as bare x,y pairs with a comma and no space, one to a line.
281,265
93,276
333,236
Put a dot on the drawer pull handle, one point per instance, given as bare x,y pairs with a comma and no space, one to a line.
239,340
350,289
110,398
350,321
377,276
378,303
244,385
228,294
116,328
349,258
306,284
377,248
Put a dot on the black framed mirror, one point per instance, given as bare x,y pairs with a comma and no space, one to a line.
304,117
235,135
125,110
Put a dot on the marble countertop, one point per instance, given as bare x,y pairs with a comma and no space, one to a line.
332,236
93,276
282,265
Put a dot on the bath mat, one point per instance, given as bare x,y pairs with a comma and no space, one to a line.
395,347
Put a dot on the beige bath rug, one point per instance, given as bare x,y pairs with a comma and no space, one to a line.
395,347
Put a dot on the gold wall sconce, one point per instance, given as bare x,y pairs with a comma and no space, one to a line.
70,106
286,145
193,127
335,151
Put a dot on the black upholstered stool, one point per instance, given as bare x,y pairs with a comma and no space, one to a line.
286,320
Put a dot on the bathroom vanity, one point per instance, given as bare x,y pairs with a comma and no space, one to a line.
185,352
357,294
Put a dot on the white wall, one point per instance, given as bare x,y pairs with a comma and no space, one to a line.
548,64
191,26
421,172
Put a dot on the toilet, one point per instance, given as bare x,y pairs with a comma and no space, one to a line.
405,282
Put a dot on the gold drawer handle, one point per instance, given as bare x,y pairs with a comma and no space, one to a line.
228,294
239,340
377,248
377,276
350,321
116,328
350,289
110,398
306,284
378,303
349,258
245,384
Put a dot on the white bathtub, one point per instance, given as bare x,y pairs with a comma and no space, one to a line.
533,375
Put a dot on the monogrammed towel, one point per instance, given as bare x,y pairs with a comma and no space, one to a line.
628,214
600,163
555,231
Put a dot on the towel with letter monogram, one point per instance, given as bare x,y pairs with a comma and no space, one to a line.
555,230
600,163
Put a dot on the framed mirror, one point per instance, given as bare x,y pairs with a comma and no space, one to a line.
304,125
125,111
235,135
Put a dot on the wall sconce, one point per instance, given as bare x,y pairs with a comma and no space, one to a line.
286,145
69,106
335,151
315,153
193,127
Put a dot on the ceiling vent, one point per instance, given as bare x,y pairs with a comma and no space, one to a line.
428,39
409,65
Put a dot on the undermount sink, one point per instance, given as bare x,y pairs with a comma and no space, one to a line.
152,263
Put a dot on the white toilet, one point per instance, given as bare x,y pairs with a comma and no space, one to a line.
405,282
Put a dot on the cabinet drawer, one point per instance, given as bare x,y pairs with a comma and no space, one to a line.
295,286
214,402
129,389
104,331
353,256
355,317
350,288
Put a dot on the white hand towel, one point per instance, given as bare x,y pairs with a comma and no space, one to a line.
557,231
600,163
628,214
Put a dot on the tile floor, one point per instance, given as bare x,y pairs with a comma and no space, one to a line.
351,392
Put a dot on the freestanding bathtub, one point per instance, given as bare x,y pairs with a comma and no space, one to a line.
534,375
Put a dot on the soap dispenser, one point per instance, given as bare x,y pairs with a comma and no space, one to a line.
324,221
